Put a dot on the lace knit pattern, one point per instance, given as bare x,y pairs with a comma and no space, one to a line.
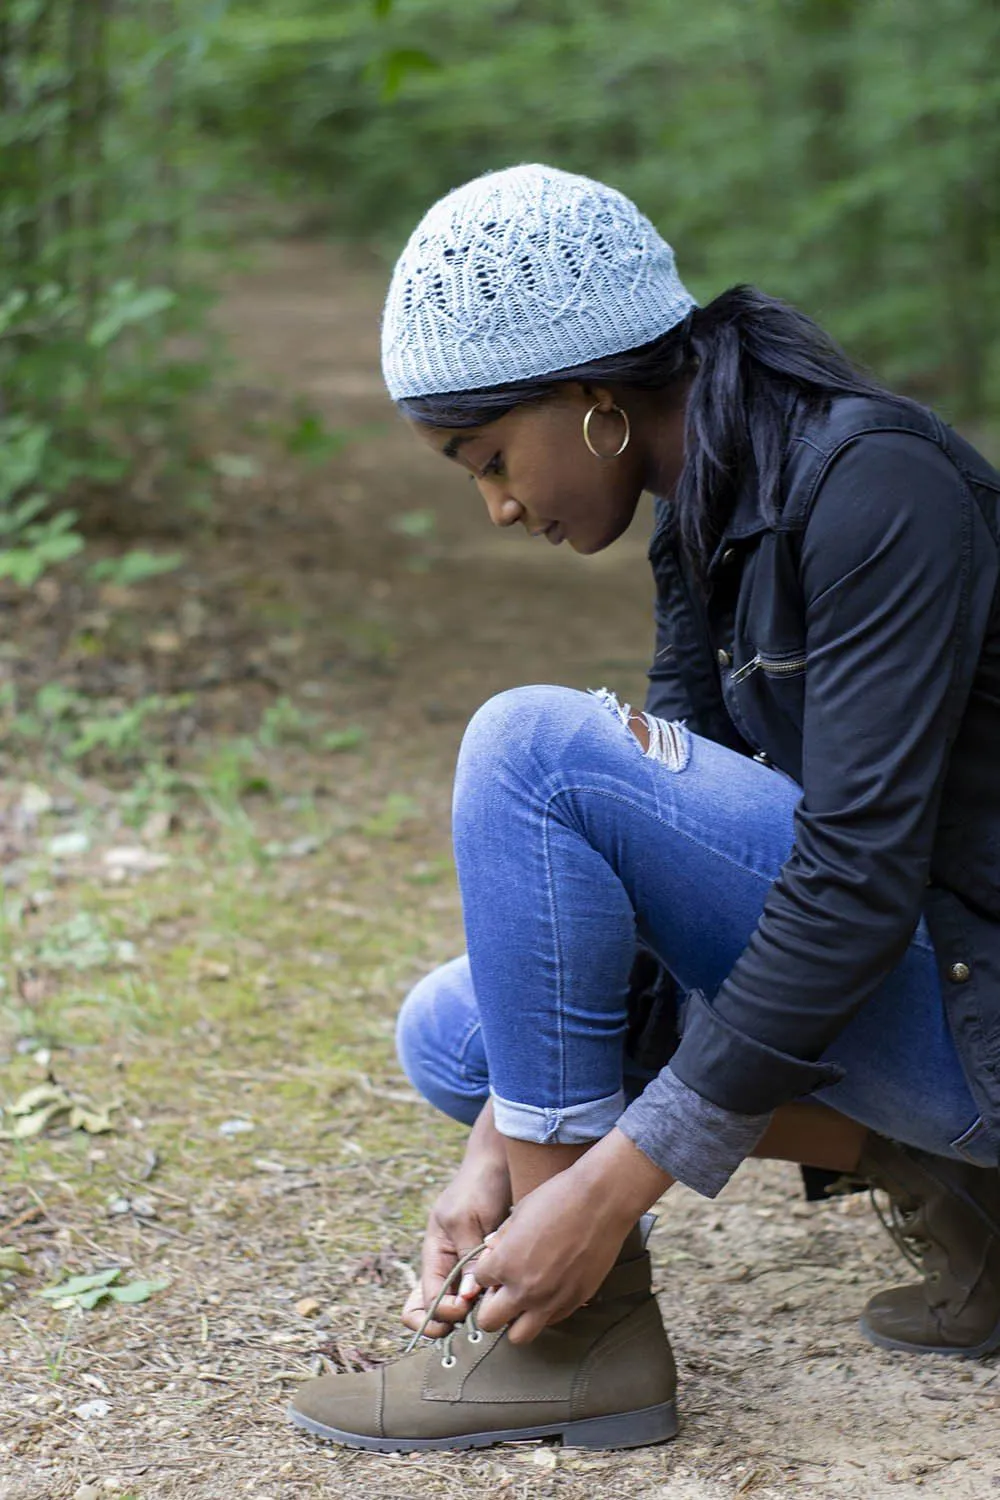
523,272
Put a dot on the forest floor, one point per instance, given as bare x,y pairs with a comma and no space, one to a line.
210,950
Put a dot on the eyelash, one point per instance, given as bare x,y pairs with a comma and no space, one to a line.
495,466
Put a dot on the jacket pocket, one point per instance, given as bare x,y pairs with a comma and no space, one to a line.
973,1145
772,664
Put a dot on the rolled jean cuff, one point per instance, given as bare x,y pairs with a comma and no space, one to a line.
574,1125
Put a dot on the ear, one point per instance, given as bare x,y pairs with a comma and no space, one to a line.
600,396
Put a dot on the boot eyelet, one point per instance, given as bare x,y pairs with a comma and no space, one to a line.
449,1362
475,1338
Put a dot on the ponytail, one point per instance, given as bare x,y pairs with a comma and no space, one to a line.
755,360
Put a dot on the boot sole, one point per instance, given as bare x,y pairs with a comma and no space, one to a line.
631,1429
979,1351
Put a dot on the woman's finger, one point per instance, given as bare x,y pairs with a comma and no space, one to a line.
528,1326
414,1312
498,1307
484,1269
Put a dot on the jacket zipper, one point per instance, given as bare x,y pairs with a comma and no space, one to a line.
771,667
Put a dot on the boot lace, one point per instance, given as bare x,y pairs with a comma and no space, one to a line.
898,1225
473,1332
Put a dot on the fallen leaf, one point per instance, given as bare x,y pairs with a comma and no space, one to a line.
210,968
43,1093
137,1291
163,642
88,1291
93,1121
79,1285
33,1124
12,1260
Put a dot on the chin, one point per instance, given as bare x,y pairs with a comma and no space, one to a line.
587,546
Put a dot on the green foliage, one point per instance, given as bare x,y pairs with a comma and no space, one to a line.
134,567
96,188
108,736
841,154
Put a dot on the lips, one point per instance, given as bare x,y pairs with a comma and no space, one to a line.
553,532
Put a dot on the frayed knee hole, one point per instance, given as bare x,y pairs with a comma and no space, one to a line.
665,741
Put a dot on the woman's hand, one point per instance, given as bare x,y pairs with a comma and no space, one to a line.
473,1204
561,1241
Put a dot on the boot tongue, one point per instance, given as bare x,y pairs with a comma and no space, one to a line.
631,1273
636,1239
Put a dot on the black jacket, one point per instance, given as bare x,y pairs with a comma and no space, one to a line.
855,644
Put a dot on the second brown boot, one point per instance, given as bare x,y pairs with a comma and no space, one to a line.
945,1217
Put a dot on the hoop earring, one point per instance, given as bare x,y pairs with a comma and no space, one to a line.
589,441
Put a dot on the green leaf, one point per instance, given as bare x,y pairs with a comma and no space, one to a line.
87,1300
399,64
128,305
12,1260
351,738
134,567
138,1291
381,9
414,523
78,1286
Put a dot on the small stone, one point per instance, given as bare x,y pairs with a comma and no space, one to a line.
92,1411
235,1127
35,800
308,1307
87,1492
545,1458
65,845
135,860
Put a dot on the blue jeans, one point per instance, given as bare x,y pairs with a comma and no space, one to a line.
570,841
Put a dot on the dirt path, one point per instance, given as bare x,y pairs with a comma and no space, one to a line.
273,952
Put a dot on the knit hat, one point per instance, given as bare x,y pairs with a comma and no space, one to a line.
520,273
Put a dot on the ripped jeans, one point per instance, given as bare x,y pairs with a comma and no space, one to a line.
570,841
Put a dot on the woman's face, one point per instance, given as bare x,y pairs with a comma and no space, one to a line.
533,468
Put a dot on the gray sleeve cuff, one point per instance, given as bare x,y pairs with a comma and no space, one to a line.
688,1136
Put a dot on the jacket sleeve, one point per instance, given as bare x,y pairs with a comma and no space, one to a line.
898,571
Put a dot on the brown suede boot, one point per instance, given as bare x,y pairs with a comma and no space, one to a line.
945,1217
602,1378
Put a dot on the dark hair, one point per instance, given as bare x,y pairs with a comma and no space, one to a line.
751,360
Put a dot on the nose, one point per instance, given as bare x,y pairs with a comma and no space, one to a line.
503,510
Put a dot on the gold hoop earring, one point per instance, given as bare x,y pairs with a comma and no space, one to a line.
589,441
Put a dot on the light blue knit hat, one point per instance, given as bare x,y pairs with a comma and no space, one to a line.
520,273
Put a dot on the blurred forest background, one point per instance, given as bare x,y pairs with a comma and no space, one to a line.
842,153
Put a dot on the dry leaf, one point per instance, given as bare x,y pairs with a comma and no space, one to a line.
210,968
